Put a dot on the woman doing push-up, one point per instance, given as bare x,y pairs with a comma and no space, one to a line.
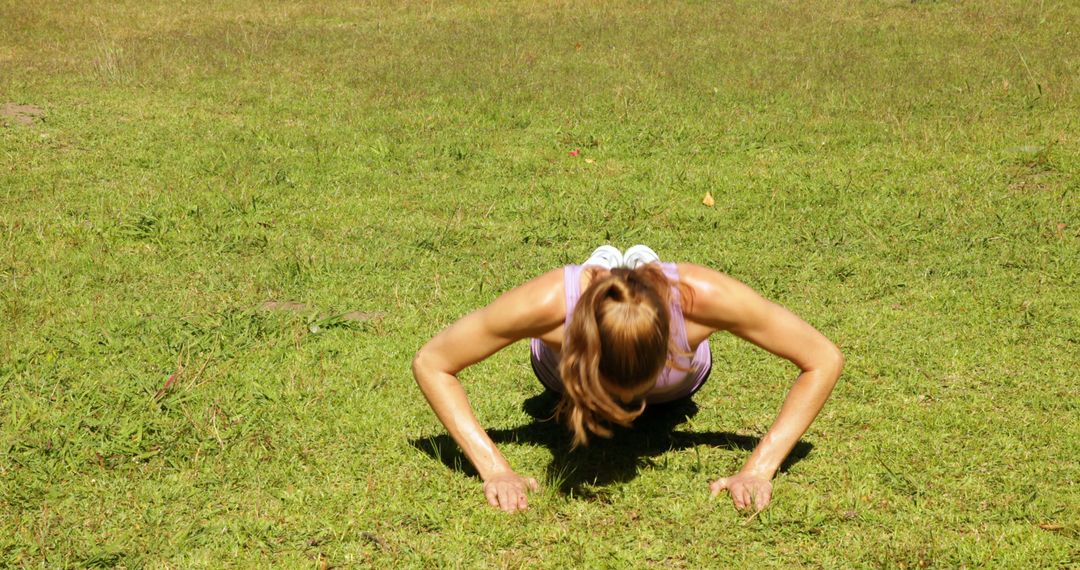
614,334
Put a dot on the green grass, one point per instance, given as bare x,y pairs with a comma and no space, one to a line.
902,174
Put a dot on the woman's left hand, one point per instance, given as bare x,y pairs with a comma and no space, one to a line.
746,490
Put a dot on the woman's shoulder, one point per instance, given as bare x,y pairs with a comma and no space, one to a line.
717,297
546,289
538,303
701,279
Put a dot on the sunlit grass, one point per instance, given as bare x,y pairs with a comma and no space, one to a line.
902,174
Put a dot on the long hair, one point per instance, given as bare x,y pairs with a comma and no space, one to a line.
619,335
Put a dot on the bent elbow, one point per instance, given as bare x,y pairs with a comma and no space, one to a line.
828,363
836,360
418,364
427,365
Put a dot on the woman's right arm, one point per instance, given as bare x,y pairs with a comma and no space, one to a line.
535,308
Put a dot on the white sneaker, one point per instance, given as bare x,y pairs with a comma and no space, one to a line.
639,255
606,256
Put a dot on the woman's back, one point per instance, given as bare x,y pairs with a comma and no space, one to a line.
688,366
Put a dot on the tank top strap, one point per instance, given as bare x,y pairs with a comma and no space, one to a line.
678,322
572,285
671,270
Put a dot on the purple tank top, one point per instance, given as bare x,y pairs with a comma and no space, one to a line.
672,384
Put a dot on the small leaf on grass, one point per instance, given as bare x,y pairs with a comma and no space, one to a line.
1051,526
172,379
168,384
708,200
375,539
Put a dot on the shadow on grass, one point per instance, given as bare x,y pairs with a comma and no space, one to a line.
584,472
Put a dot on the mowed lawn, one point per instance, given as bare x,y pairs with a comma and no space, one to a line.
227,226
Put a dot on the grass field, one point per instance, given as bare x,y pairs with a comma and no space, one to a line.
226,228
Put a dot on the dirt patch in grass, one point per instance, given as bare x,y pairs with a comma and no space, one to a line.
285,306
362,315
21,114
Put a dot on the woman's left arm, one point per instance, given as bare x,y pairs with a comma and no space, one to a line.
723,303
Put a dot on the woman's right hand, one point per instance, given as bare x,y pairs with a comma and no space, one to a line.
507,491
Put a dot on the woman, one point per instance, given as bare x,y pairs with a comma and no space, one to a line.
613,334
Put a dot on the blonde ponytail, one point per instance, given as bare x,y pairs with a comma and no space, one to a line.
619,334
